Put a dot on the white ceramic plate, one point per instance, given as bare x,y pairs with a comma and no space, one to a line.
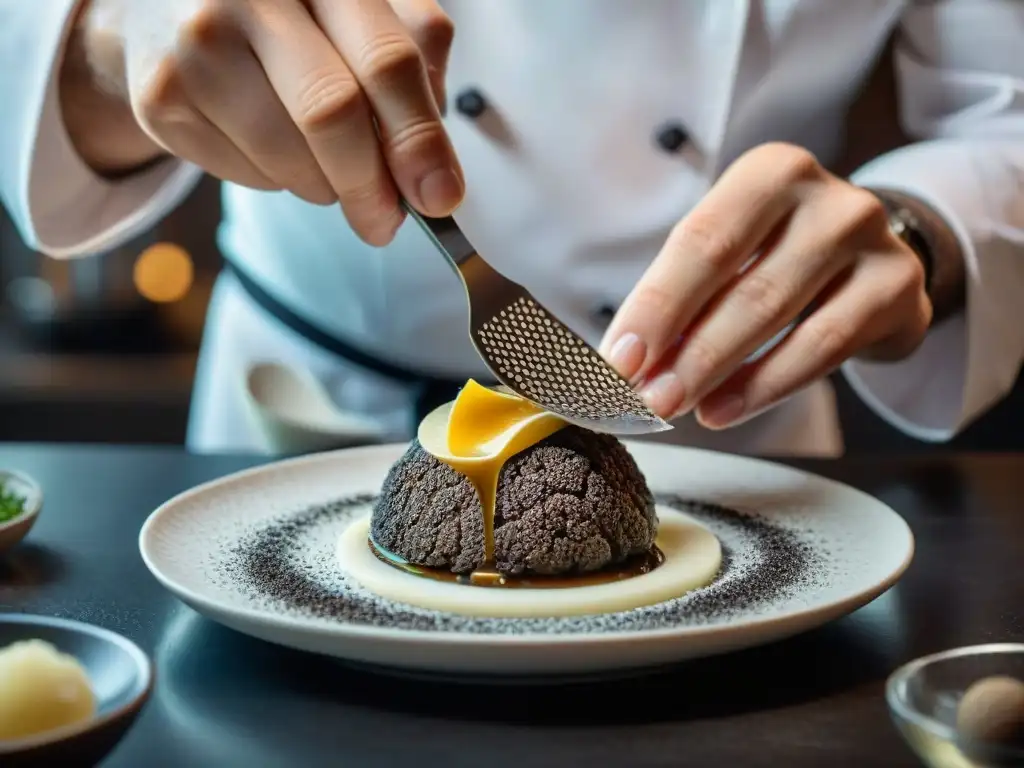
802,551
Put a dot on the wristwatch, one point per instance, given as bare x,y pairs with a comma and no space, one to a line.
904,223
935,244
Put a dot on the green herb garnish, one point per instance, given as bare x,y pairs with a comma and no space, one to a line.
11,504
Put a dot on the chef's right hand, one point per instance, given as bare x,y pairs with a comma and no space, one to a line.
333,100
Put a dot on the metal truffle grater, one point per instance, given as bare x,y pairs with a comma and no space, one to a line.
533,353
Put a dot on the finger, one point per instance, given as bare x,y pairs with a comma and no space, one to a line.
391,72
817,244
166,115
228,85
859,314
327,105
705,251
432,31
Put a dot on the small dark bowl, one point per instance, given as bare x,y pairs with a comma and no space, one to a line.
16,529
121,676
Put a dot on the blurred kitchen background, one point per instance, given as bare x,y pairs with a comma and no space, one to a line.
103,349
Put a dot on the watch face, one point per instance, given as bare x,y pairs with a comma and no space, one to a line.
911,231
904,225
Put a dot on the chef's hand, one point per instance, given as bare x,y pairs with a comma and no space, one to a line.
333,101
823,253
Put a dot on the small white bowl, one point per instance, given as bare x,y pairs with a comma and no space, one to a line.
16,529
295,414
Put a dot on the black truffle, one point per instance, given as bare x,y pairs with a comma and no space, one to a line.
992,711
574,502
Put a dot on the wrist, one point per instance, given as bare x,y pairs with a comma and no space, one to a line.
94,101
927,234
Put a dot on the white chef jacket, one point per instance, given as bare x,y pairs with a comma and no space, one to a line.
569,193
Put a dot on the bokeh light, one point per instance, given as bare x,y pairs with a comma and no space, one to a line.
163,273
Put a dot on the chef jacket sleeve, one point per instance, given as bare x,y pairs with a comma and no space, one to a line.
960,70
58,204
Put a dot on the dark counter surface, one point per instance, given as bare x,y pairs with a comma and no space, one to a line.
223,699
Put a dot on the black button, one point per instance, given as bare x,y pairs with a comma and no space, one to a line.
605,313
471,103
672,137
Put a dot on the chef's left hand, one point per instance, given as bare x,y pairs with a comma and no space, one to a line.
823,253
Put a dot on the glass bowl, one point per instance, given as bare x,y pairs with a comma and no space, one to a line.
923,697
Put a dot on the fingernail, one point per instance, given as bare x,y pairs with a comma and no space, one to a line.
722,413
664,393
627,355
441,191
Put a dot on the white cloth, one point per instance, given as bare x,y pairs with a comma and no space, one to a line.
569,194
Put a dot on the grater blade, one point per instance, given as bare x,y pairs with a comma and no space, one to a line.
539,358
533,353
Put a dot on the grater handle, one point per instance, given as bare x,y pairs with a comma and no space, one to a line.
445,234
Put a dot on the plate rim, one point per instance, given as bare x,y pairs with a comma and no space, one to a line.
348,630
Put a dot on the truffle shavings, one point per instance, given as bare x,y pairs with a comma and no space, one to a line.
289,566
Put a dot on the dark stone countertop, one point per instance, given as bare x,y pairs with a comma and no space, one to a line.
223,699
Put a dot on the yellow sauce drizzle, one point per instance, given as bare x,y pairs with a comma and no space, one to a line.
477,433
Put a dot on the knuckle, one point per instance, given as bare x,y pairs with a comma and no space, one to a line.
370,210
162,99
863,212
798,164
918,323
704,235
925,315
762,298
328,100
772,149
912,274
261,14
313,192
208,28
390,57
311,185
701,359
365,200
792,162
423,138
436,30
830,338
294,169
907,283
896,282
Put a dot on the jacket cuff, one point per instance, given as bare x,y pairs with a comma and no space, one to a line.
970,361
60,205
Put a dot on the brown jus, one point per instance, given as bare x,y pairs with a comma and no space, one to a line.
635,565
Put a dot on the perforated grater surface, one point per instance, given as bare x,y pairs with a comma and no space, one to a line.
533,353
